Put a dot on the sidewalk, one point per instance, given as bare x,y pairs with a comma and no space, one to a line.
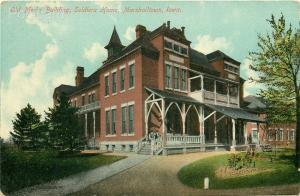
82,180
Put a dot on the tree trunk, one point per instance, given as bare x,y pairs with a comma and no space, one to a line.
298,131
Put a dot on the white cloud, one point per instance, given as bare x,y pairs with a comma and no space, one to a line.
250,87
95,52
130,33
31,83
207,44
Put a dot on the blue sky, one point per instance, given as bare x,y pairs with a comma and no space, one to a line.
40,49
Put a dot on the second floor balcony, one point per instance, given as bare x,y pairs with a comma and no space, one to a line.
214,91
89,107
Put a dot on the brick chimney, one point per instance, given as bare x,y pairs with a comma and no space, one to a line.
139,31
79,75
182,30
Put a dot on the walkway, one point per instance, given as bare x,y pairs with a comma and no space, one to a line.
158,176
82,180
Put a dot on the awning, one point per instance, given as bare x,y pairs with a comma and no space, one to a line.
235,113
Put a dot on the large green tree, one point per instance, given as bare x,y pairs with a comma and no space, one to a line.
26,128
65,131
277,64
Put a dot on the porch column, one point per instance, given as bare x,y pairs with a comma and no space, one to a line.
146,119
86,132
233,135
245,132
183,116
215,129
202,124
257,124
215,91
228,98
163,126
94,120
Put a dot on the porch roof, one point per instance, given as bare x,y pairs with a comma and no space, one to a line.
235,113
172,96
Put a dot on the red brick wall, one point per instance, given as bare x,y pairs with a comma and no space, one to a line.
125,97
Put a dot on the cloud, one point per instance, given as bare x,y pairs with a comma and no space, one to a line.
250,87
207,44
130,34
31,83
94,52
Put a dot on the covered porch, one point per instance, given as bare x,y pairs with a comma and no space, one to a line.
185,124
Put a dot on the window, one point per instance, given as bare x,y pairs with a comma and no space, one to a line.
124,126
281,135
107,117
131,76
176,47
231,68
131,118
176,77
93,97
183,79
270,135
168,76
292,135
122,82
233,90
82,99
208,84
106,85
221,88
183,50
114,82
168,44
113,121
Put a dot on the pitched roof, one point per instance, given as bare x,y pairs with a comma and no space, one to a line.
235,113
172,96
216,55
254,102
142,42
88,82
200,60
67,89
114,40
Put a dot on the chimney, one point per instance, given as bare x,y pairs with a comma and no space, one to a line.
168,24
79,75
139,31
182,30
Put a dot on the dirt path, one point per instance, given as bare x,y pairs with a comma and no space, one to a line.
158,176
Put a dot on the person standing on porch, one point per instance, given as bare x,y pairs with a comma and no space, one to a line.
151,137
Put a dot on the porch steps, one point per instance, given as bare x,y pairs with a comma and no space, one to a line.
145,150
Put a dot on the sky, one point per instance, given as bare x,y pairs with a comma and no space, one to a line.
42,43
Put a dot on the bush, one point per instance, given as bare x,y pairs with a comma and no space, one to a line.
239,161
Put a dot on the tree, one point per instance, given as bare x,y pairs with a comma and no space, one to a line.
277,63
65,131
26,129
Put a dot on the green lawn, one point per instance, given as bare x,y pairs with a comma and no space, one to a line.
22,169
283,172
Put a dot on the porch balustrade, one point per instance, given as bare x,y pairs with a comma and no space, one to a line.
89,107
181,139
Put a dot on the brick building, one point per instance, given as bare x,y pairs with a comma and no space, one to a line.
275,134
158,83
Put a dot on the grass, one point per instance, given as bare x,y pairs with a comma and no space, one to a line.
22,169
283,172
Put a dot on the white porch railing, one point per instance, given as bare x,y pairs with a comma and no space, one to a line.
89,107
180,139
